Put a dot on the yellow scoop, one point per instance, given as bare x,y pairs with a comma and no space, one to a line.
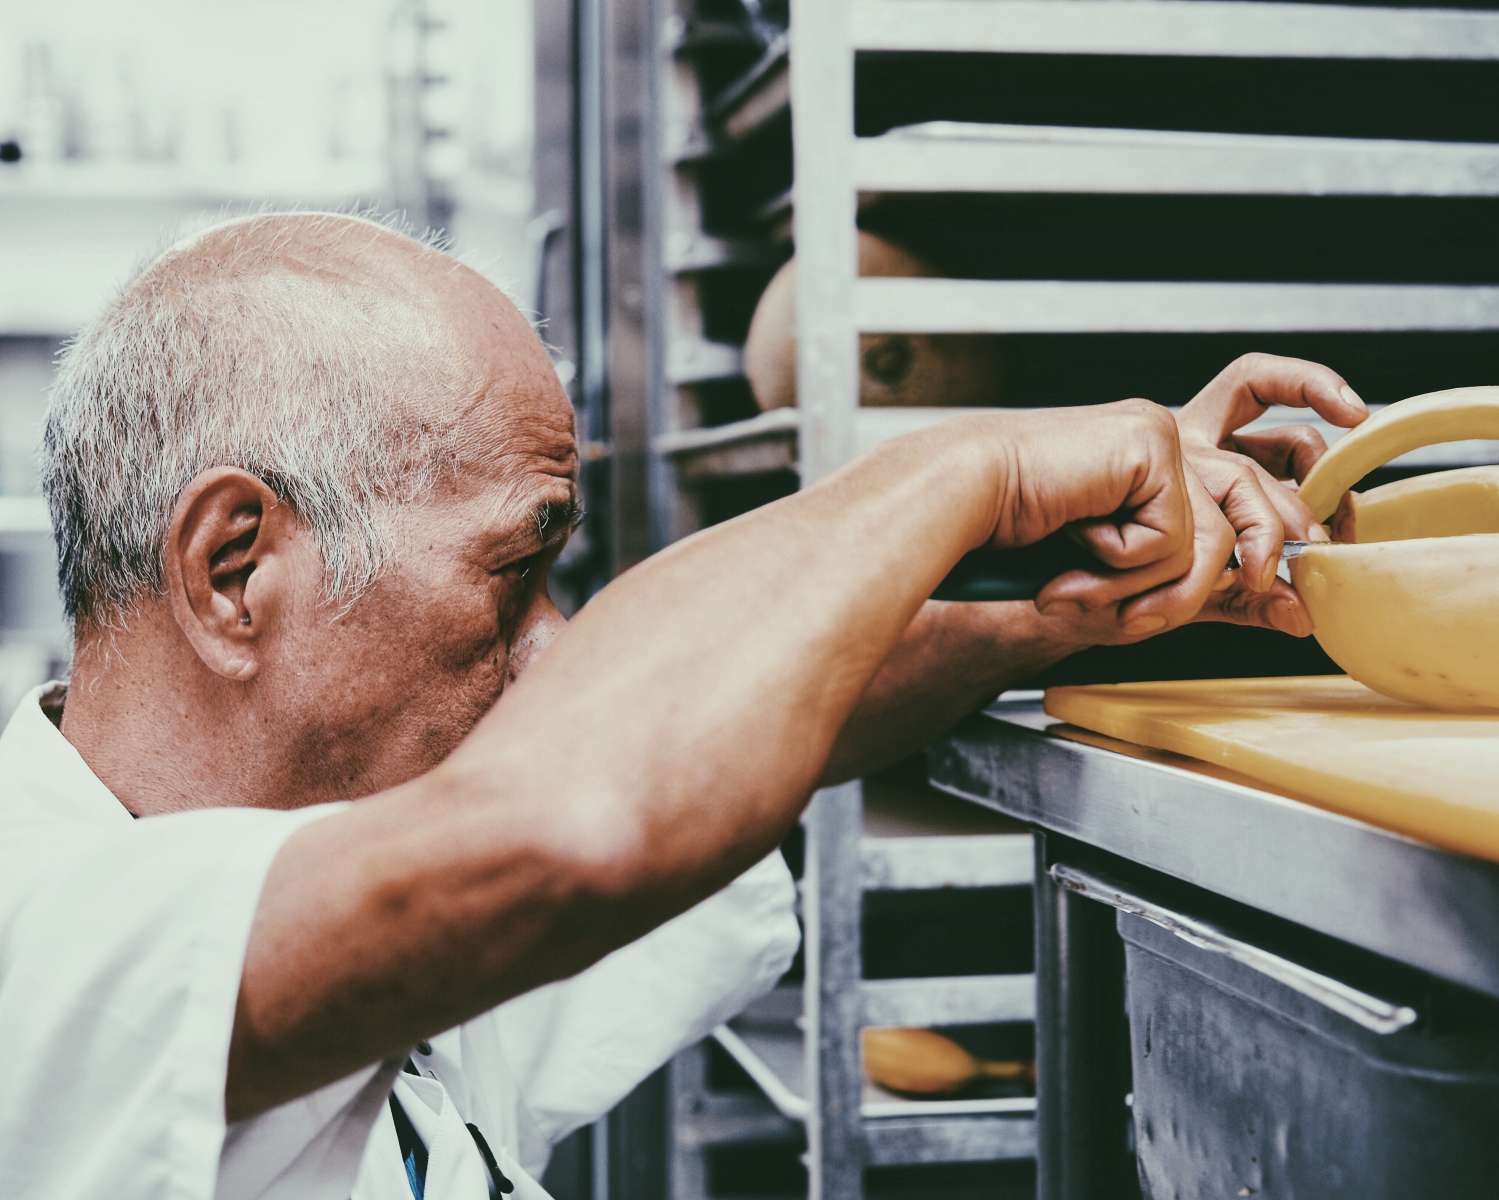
919,1062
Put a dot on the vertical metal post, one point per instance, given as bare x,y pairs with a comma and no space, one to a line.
676,301
822,125
1082,1052
687,1082
827,384
832,908
632,273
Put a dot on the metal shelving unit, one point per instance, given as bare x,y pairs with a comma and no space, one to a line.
782,1043
885,140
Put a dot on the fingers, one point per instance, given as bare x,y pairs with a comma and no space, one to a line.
1149,599
1299,521
1244,389
1263,512
1178,602
1279,608
1287,453
1258,528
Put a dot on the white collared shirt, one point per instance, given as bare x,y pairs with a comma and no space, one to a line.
121,947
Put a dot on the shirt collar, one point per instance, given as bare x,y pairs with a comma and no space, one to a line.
42,770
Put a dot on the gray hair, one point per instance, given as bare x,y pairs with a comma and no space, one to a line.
266,344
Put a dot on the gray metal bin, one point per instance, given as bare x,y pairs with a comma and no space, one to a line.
1246,1084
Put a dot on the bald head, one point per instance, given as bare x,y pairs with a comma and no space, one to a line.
330,356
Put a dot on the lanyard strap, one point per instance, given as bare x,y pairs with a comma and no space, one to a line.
414,1152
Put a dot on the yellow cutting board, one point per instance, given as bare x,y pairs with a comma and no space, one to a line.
1324,740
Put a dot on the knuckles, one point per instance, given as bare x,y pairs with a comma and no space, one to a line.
1253,362
1150,416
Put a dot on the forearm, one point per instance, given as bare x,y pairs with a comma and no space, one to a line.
951,659
706,687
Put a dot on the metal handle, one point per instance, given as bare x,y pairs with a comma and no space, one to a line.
1013,574
1374,1014
542,233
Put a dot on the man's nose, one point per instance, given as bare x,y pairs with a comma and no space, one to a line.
542,623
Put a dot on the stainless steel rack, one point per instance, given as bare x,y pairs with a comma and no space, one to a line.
727,190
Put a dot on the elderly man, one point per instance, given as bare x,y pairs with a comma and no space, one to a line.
307,477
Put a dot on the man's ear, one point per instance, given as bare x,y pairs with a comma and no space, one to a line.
228,567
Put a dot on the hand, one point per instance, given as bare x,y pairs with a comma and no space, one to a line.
1113,476
1243,472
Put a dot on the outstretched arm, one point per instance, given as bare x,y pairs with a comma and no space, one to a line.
954,657
671,735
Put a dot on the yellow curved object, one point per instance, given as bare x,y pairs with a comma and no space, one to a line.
1451,416
1442,504
922,1062
1417,619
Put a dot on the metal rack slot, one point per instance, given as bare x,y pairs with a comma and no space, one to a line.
687,253
690,34
952,157
754,446
727,1119
1217,28
957,1000
768,442
703,362
950,1140
760,95
985,306
773,1056
929,863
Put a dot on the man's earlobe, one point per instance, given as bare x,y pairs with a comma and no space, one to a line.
225,529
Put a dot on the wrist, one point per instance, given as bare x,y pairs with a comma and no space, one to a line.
982,450
999,645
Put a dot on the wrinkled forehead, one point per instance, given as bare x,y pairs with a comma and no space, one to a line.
517,421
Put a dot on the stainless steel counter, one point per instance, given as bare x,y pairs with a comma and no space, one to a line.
1126,827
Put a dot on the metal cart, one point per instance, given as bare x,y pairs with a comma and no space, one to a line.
1127,195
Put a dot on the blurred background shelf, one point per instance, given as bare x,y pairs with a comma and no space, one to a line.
108,183
24,517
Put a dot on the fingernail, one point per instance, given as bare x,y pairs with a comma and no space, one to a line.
1318,533
1290,617
1149,623
1351,397
1061,608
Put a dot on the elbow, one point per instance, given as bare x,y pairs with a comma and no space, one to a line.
598,848
596,858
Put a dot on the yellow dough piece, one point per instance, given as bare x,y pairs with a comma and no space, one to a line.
1416,619
1450,416
1442,504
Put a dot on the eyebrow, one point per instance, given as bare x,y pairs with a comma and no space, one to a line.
555,519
